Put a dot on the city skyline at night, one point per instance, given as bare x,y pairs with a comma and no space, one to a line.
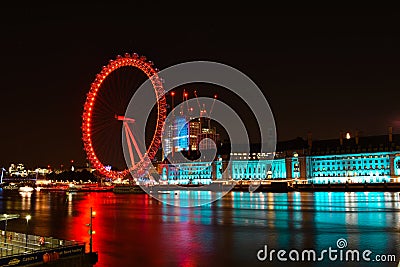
319,74
133,135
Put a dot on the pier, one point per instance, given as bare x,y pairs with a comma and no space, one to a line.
20,249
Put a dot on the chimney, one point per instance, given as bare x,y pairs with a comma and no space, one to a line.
341,138
390,134
357,136
309,139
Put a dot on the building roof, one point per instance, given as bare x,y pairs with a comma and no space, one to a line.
378,143
290,145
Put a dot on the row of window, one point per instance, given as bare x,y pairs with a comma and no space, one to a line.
173,177
349,157
351,168
385,173
351,162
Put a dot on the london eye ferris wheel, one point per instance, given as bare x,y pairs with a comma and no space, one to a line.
105,126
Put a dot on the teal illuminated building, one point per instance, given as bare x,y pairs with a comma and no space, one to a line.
348,159
354,159
176,135
192,173
182,136
258,169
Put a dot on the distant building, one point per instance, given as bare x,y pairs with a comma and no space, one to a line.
183,134
207,139
176,135
194,131
17,170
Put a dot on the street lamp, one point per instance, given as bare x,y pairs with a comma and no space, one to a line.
27,217
5,228
92,214
93,256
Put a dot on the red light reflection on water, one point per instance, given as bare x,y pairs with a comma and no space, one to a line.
136,229
79,225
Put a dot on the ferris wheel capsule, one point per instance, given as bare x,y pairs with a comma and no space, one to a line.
143,58
127,55
135,55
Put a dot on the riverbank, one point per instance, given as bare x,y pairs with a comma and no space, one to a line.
344,187
274,186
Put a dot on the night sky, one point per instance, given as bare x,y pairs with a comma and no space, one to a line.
323,74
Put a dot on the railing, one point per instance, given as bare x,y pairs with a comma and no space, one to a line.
15,244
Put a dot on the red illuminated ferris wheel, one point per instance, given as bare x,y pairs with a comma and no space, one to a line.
104,125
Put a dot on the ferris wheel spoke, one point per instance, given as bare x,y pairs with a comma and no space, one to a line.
105,106
100,128
120,82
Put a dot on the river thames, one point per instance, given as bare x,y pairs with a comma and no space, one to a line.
240,229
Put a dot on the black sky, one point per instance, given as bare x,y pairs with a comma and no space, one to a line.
322,74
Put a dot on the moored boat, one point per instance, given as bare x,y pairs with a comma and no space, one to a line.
11,186
26,188
127,189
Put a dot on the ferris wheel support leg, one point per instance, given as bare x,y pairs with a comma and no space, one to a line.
129,146
133,140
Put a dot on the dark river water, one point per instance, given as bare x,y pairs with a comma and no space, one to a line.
137,230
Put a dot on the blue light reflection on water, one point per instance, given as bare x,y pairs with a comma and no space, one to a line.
229,232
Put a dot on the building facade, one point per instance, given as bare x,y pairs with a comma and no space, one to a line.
372,159
176,135
191,173
207,139
363,167
194,131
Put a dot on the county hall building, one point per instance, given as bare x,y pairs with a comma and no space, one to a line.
350,158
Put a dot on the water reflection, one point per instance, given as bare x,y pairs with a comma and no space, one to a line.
135,228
